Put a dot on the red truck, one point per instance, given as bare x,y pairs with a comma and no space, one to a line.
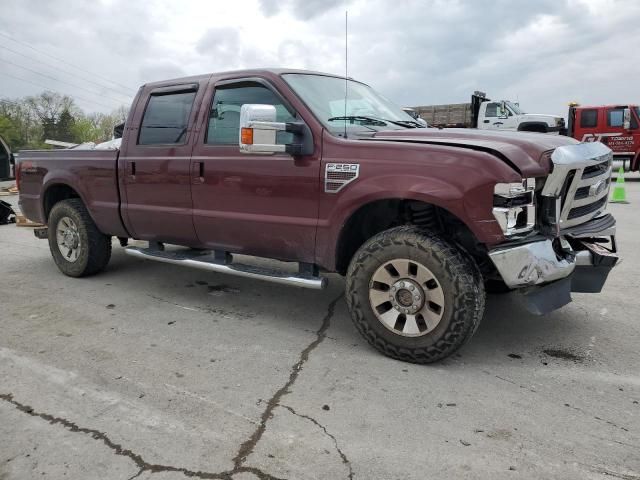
279,164
617,126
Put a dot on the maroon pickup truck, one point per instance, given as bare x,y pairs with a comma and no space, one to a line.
283,164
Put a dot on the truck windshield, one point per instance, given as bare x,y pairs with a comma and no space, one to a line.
364,108
515,108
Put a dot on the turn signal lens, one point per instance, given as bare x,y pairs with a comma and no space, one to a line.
246,136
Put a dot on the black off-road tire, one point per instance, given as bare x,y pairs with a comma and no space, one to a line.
454,269
95,246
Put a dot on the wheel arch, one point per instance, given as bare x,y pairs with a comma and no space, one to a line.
381,214
540,127
56,192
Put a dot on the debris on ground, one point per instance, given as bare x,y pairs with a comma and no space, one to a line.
7,215
22,221
10,190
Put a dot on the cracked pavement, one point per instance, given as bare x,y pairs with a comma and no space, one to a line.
151,371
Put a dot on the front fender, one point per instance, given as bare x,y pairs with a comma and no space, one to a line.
471,205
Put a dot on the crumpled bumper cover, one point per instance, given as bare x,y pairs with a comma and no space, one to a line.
546,278
531,264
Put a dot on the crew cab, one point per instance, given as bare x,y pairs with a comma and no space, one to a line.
617,126
280,164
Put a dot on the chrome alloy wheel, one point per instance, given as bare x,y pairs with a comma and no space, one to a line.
406,297
68,239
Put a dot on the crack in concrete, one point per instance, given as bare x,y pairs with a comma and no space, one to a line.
344,458
118,449
248,446
245,449
136,475
136,458
210,310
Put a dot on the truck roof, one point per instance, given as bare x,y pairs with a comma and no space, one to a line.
239,73
613,105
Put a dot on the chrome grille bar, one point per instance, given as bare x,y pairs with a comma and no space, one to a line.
585,195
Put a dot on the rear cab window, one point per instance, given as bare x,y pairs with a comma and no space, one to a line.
166,118
589,118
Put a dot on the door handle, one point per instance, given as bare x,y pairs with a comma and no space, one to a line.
197,172
131,167
486,121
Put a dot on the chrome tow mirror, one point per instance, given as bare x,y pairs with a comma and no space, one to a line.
258,132
626,121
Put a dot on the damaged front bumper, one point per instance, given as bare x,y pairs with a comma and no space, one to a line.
546,271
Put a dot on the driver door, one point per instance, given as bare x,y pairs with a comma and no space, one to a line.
496,119
263,205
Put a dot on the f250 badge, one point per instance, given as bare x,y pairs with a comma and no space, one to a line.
339,175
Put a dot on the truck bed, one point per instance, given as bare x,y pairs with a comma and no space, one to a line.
91,174
447,115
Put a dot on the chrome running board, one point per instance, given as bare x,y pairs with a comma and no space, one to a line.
205,260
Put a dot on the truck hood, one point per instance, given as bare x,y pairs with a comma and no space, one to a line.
521,150
550,120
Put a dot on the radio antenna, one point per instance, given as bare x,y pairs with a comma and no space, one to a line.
346,19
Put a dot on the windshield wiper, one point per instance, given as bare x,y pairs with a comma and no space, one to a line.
405,123
364,119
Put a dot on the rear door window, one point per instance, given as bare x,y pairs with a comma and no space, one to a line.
166,119
589,118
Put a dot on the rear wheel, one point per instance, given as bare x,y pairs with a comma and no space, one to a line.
414,296
77,246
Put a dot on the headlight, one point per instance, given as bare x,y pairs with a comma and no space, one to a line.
514,206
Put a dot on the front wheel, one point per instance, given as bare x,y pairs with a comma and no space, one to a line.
77,246
414,296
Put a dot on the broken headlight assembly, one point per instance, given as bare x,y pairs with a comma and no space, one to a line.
514,206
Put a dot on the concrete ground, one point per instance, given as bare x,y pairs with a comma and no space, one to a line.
161,372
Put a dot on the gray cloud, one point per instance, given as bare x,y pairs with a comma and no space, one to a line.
302,9
543,53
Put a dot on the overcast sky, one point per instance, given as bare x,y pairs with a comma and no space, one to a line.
543,53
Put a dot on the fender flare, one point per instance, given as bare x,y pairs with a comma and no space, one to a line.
50,181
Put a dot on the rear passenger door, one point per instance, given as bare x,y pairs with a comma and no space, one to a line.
155,165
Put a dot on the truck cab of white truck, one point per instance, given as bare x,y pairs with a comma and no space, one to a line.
506,115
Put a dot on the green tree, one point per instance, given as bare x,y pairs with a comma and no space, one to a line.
64,127
84,130
30,120
10,132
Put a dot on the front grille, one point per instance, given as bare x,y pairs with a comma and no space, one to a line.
587,209
579,181
583,192
596,170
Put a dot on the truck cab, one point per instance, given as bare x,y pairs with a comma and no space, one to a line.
507,115
617,126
